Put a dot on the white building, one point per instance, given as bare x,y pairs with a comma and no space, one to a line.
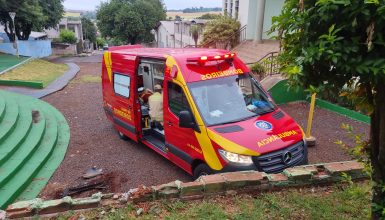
256,15
70,21
177,34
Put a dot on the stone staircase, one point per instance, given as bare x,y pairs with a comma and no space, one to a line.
34,137
251,52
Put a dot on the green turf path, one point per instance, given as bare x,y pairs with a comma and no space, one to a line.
7,61
31,148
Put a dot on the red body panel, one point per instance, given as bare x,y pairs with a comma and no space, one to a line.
285,132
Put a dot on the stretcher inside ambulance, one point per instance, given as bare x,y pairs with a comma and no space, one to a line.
216,117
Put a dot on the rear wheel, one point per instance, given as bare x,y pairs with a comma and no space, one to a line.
202,170
122,136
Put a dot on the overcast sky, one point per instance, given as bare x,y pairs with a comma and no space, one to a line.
170,4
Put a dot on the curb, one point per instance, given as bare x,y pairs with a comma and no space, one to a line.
13,67
251,182
55,86
30,84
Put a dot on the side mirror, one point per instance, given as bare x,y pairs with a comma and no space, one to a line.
186,120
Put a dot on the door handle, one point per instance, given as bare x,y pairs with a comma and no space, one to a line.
129,107
169,123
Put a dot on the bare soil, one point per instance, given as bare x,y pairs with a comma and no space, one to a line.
326,128
94,141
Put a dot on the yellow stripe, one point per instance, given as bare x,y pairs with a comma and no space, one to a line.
108,63
230,146
204,141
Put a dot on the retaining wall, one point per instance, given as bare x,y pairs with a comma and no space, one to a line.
251,182
282,94
34,48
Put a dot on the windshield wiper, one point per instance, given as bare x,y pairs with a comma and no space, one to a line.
236,120
266,111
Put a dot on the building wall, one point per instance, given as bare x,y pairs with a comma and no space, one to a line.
36,49
247,15
230,7
272,8
164,37
176,36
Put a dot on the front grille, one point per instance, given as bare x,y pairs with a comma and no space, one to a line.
273,162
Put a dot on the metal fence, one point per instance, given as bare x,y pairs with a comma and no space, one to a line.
268,65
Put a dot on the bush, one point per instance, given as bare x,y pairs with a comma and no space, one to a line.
100,41
221,30
258,69
67,36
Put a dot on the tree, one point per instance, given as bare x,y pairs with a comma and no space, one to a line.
341,43
67,36
89,30
222,29
195,33
30,15
130,21
209,16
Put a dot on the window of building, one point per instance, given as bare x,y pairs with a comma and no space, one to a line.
177,100
122,85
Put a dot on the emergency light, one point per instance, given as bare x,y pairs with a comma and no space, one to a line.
203,59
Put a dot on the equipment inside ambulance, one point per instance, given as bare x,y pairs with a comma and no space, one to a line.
200,109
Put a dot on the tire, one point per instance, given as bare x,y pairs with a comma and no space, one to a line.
122,136
202,170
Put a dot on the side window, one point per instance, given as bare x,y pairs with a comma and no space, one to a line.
122,85
177,100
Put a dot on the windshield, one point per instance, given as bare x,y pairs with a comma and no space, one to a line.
230,99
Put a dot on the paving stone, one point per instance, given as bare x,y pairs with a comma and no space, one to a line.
277,177
192,188
241,179
213,183
298,174
169,190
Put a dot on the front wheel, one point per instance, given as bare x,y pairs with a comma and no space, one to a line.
122,136
202,170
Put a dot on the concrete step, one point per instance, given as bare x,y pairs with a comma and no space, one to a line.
251,52
16,160
2,108
48,169
20,180
269,81
10,118
16,138
31,148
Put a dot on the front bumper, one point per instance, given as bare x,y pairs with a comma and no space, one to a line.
274,162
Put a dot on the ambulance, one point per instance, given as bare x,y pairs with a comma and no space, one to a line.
216,116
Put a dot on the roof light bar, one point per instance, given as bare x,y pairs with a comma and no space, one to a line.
212,58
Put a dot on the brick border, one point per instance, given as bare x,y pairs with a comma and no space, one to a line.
218,184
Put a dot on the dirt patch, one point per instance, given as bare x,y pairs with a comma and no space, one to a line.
95,142
327,129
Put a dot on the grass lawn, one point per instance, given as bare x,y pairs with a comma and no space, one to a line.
36,71
87,79
336,202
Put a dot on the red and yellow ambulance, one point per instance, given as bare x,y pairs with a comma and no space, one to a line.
216,116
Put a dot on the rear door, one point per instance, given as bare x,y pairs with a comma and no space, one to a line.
125,93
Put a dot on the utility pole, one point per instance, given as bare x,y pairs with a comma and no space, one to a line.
13,15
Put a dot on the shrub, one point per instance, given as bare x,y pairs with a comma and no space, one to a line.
67,36
221,30
258,69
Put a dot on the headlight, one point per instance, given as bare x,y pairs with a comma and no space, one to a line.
235,158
